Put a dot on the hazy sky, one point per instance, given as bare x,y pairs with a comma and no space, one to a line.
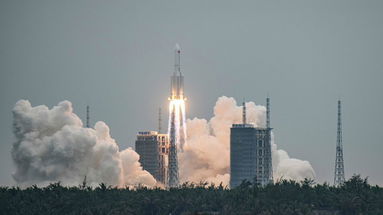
117,56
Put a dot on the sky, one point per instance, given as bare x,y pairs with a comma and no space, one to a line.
117,57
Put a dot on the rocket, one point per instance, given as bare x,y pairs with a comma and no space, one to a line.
177,79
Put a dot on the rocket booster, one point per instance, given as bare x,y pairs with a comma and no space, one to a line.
177,79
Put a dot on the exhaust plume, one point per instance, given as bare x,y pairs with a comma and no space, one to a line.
206,156
52,145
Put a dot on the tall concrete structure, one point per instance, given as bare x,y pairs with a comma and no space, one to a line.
153,149
339,165
250,152
177,124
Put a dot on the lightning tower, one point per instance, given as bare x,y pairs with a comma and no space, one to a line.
243,113
159,120
339,165
87,116
177,125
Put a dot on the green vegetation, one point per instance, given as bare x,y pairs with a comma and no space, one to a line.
355,196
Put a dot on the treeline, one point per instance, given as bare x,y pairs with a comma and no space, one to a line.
355,196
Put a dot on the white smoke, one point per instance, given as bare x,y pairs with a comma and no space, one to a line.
206,156
52,145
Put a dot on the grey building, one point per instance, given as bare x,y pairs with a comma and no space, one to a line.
250,153
153,149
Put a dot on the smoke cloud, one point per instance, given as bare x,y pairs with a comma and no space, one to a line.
52,145
206,156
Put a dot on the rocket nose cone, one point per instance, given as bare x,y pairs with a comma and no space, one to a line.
177,47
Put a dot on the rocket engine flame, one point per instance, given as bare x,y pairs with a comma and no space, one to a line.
177,109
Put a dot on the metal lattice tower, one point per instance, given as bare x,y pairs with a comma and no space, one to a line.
339,165
87,116
269,155
173,159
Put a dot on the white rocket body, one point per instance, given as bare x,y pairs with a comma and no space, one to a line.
177,79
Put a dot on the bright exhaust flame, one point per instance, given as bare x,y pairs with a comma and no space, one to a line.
177,107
